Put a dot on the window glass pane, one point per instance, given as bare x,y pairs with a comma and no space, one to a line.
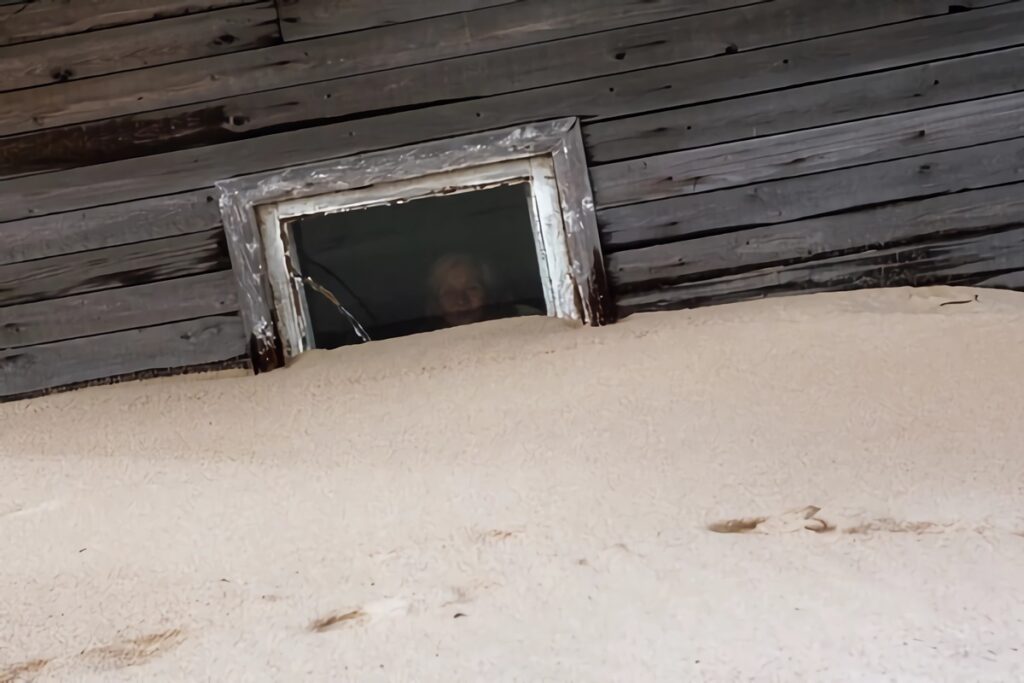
418,266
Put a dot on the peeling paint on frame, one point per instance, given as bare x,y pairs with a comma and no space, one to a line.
549,156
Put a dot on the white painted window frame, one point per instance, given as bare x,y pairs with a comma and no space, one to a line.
548,157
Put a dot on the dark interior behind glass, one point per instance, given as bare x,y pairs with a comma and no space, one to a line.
422,265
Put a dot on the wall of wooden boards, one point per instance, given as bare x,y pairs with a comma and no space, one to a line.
738,148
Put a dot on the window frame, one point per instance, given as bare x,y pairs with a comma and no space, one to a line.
548,156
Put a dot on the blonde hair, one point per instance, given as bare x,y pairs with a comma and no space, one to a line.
446,264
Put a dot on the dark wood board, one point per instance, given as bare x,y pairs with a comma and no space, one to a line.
775,245
994,259
791,199
175,345
195,168
237,363
112,310
122,266
845,99
380,95
388,47
876,140
809,151
41,19
1003,280
301,19
108,226
128,48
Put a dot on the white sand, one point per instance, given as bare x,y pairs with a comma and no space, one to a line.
554,486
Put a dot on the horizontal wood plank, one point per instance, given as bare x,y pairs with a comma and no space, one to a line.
722,77
994,259
122,266
51,18
481,75
823,193
139,46
809,151
890,224
112,310
176,345
107,226
194,168
301,19
1004,280
388,47
846,99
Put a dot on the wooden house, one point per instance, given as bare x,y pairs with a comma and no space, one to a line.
158,156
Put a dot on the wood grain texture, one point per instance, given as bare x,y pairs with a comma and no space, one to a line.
1003,280
107,226
388,47
194,168
819,104
823,193
112,310
122,266
139,46
726,76
175,345
517,68
301,19
812,238
41,19
252,282
590,281
809,151
993,259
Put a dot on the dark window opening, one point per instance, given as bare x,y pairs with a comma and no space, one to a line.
426,264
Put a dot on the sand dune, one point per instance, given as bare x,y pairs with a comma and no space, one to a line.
822,488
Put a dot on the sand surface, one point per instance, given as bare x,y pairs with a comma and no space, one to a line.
823,488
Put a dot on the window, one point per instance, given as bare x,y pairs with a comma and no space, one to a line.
390,243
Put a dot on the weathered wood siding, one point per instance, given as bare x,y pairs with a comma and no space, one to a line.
739,148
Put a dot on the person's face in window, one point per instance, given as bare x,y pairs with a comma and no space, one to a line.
461,295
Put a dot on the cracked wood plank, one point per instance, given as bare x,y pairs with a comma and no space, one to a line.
388,47
194,168
527,68
41,19
301,19
129,48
